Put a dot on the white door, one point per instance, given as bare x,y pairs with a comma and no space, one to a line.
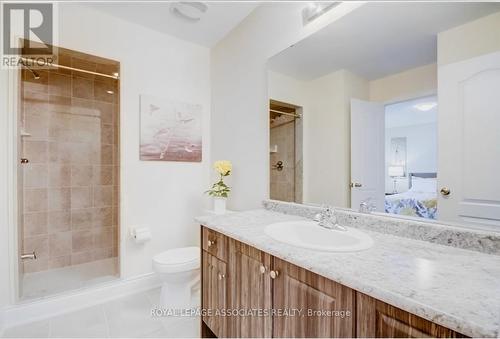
367,153
469,141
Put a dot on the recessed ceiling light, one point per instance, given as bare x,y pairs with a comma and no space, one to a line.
425,106
190,11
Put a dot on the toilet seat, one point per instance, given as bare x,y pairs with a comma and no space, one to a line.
177,260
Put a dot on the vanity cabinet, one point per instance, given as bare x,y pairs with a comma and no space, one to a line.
214,293
326,307
250,289
240,280
376,319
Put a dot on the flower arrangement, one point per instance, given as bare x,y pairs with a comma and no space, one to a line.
220,189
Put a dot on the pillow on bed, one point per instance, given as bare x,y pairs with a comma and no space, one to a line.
427,185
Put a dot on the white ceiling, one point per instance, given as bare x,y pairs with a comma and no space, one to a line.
220,19
377,39
405,114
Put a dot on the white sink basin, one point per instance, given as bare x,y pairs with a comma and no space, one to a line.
308,234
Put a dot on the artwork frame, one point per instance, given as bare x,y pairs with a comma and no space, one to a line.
170,130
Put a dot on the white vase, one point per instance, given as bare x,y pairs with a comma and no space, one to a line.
219,205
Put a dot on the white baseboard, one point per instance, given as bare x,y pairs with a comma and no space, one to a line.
40,309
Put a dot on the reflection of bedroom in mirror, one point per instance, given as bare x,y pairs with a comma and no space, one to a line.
375,112
411,158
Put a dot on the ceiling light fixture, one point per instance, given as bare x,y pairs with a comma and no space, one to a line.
316,9
425,106
191,11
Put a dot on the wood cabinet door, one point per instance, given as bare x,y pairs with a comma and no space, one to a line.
377,319
250,291
214,300
326,307
214,243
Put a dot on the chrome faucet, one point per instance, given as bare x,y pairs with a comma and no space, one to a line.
367,206
327,219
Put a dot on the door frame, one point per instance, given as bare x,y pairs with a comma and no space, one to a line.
11,130
386,103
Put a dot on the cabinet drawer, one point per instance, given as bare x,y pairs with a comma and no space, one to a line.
214,243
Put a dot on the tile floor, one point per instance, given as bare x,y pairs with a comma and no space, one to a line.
40,284
126,317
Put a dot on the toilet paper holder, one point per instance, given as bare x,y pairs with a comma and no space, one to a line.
140,234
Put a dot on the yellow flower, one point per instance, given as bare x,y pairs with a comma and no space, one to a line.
223,167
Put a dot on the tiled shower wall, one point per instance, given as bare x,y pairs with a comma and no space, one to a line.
70,207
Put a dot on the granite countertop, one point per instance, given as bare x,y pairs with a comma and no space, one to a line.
454,287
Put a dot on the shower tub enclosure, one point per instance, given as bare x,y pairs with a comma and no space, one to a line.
67,174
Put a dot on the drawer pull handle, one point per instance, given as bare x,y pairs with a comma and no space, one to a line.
211,243
262,269
221,276
274,274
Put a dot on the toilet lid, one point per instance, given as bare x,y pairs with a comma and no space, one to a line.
178,256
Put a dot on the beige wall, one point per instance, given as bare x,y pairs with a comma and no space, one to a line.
410,84
472,39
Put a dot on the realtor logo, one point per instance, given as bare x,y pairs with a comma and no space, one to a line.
27,32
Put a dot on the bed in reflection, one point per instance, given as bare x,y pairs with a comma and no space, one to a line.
419,201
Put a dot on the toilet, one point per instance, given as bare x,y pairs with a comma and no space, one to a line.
179,271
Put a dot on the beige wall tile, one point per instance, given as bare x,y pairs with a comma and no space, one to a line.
35,175
103,196
37,124
35,103
81,258
105,91
102,253
59,104
103,175
82,153
85,65
107,136
40,264
39,244
60,262
60,244
85,129
103,237
59,199
60,127
59,175
102,217
82,88
60,152
35,151
83,241
34,224
83,107
35,200
59,84
81,197
81,219
81,175
59,221
36,85
105,111
104,155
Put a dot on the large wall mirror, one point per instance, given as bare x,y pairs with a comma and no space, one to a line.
402,118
